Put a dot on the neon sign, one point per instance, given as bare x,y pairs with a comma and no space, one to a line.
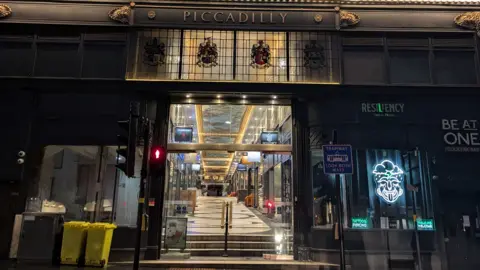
389,178
425,225
359,223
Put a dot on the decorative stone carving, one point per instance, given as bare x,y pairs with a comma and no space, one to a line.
121,14
348,19
5,11
469,20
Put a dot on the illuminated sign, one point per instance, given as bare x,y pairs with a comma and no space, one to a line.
425,225
359,223
389,178
383,109
461,135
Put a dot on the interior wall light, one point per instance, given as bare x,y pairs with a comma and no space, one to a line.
219,96
244,96
274,97
188,95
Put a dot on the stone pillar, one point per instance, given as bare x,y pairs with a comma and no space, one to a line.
157,182
302,182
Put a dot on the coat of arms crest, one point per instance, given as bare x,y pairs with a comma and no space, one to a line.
260,55
314,55
154,52
207,53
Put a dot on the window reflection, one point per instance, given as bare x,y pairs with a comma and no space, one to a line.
67,181
83,183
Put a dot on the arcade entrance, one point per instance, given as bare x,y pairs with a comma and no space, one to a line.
229,163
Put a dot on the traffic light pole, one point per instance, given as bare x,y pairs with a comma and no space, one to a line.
141,195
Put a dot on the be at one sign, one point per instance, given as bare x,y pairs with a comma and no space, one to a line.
337,159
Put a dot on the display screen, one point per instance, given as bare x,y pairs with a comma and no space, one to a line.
183,134
269,137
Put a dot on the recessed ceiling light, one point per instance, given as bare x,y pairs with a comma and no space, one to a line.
188,95
190,117
228,122
256,118
274,97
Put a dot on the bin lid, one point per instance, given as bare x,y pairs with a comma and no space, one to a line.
103,225
76,224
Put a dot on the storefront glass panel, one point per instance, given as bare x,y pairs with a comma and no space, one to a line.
256,185
83,183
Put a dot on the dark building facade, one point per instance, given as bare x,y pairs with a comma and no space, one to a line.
398,81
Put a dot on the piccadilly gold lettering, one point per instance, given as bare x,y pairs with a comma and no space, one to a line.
240,17
234,17
271,18
230,17
203,16
215,16
186,14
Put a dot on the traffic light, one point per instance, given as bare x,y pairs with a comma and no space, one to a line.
129,139
158,155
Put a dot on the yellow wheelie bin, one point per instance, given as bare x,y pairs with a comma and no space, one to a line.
99,240
73,242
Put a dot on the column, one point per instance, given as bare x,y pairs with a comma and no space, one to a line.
302,181
157,182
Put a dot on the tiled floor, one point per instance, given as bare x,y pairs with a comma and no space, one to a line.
208,216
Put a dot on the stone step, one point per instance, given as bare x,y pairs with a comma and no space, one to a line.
231,244
233,252
232,237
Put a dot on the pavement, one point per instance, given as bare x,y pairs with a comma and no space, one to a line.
192,264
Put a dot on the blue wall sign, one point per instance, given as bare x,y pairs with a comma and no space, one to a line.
337,159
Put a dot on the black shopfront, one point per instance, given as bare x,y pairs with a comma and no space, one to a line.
405,101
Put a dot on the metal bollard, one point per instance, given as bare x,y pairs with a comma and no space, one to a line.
225,246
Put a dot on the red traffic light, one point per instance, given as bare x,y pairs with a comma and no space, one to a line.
157,155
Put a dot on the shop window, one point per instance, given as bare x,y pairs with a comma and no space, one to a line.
387,189
83,183
207,55
67,181
409,66
363,65
121,192
261,56
454,67
156,55
313,57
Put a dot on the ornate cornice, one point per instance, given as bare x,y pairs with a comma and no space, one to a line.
348,19
469,20
121,14
5,11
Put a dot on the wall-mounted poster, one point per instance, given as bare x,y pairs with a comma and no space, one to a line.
176,233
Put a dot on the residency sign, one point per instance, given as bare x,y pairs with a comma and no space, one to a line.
337,159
